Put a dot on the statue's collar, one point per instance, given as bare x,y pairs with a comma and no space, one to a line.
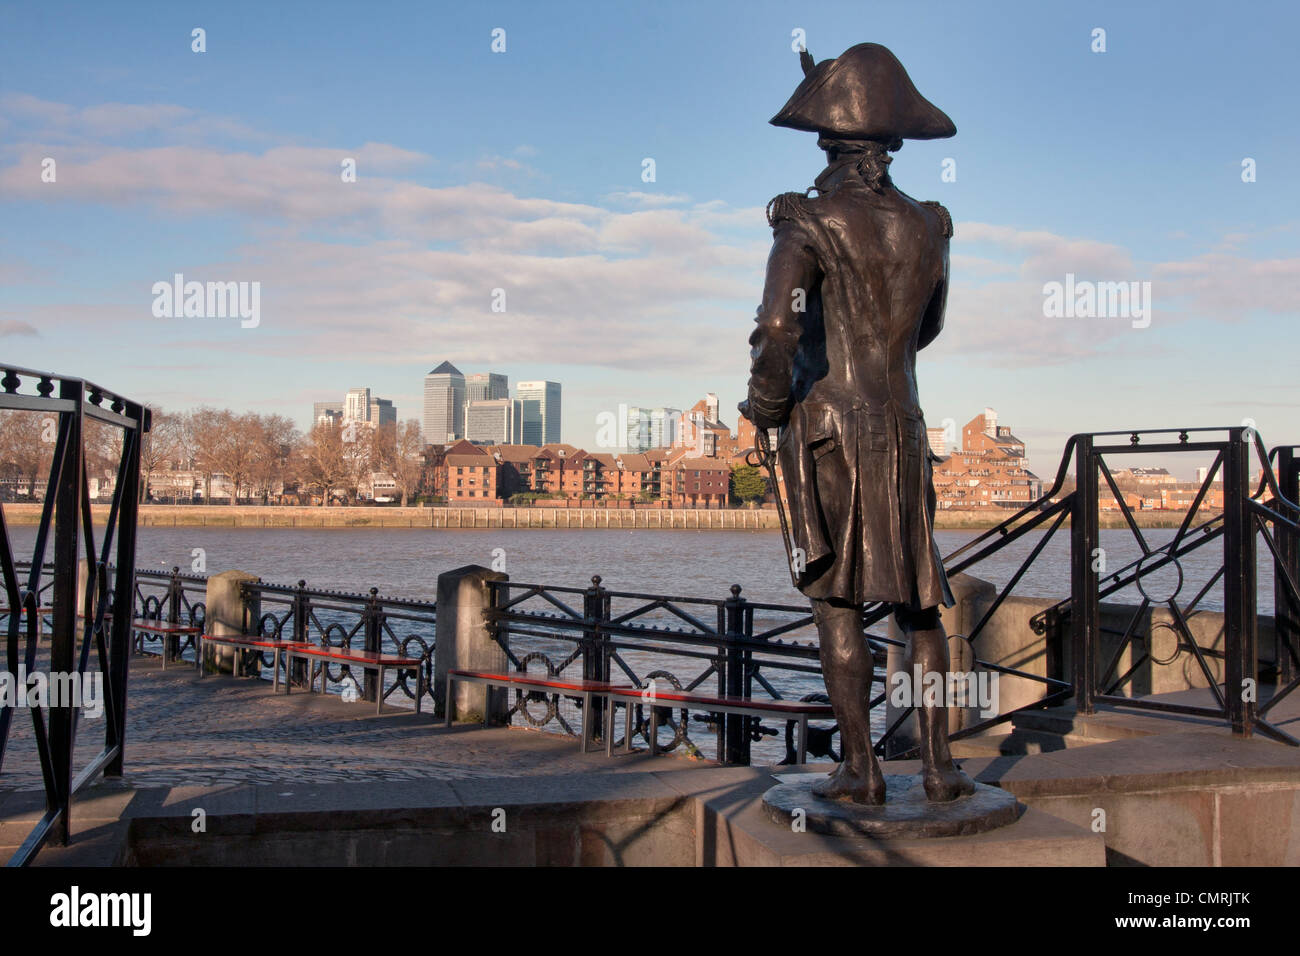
835,173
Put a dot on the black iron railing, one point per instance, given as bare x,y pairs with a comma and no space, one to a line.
174,598
1266,511
170,597
730,653
725,646
100,621
349,621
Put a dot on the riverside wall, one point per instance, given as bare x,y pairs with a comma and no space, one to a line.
689,519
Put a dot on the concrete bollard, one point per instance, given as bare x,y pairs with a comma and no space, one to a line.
972,595
227,614
464,642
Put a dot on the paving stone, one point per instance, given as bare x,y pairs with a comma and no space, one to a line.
221,732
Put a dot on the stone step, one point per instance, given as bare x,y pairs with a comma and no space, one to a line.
1019,742
1063,721
985,745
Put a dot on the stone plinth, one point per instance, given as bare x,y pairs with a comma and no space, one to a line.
464,642
226,615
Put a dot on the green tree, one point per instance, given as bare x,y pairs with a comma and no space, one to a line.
748,484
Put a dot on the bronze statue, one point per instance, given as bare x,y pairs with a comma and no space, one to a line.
856,284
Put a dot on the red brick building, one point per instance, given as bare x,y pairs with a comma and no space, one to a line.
694,473
988,471
471,477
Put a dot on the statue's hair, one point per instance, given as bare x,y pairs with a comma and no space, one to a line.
873,157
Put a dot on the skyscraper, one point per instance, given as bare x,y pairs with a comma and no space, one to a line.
540,412
326,413
356,405
486,387
382,412
359,406
493,421
444,405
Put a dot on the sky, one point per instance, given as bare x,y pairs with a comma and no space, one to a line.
524,170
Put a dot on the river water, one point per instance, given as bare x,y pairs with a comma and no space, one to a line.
406,562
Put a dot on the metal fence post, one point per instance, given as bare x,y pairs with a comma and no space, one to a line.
1239,620
1286,615
1084,551
119,642
172,642
174,596
301,619
595,647
374,624
69,465
738,658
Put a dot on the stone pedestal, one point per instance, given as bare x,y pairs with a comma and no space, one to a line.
227,614
906,814
464,642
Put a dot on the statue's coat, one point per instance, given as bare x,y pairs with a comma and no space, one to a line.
840,380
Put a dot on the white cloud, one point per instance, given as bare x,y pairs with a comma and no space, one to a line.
647,199
392,270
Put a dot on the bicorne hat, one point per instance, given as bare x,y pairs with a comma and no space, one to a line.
864,93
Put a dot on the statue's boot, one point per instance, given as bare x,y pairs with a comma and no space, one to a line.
847,671
943,781
849,783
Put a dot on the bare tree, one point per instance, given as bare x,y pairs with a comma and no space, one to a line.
159,446
399,450
358,455
322,463
226,444
102,444
271,466
27,442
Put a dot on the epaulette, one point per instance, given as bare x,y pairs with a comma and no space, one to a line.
786,206
944,217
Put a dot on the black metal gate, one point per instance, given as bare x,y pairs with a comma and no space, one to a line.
98,620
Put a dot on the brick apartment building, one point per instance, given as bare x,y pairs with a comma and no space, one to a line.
987,471
679,476
1172,495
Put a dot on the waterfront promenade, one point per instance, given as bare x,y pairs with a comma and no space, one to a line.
221,731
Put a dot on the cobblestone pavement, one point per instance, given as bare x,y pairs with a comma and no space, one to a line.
219,730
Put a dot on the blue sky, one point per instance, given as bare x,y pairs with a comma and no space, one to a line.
522,170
